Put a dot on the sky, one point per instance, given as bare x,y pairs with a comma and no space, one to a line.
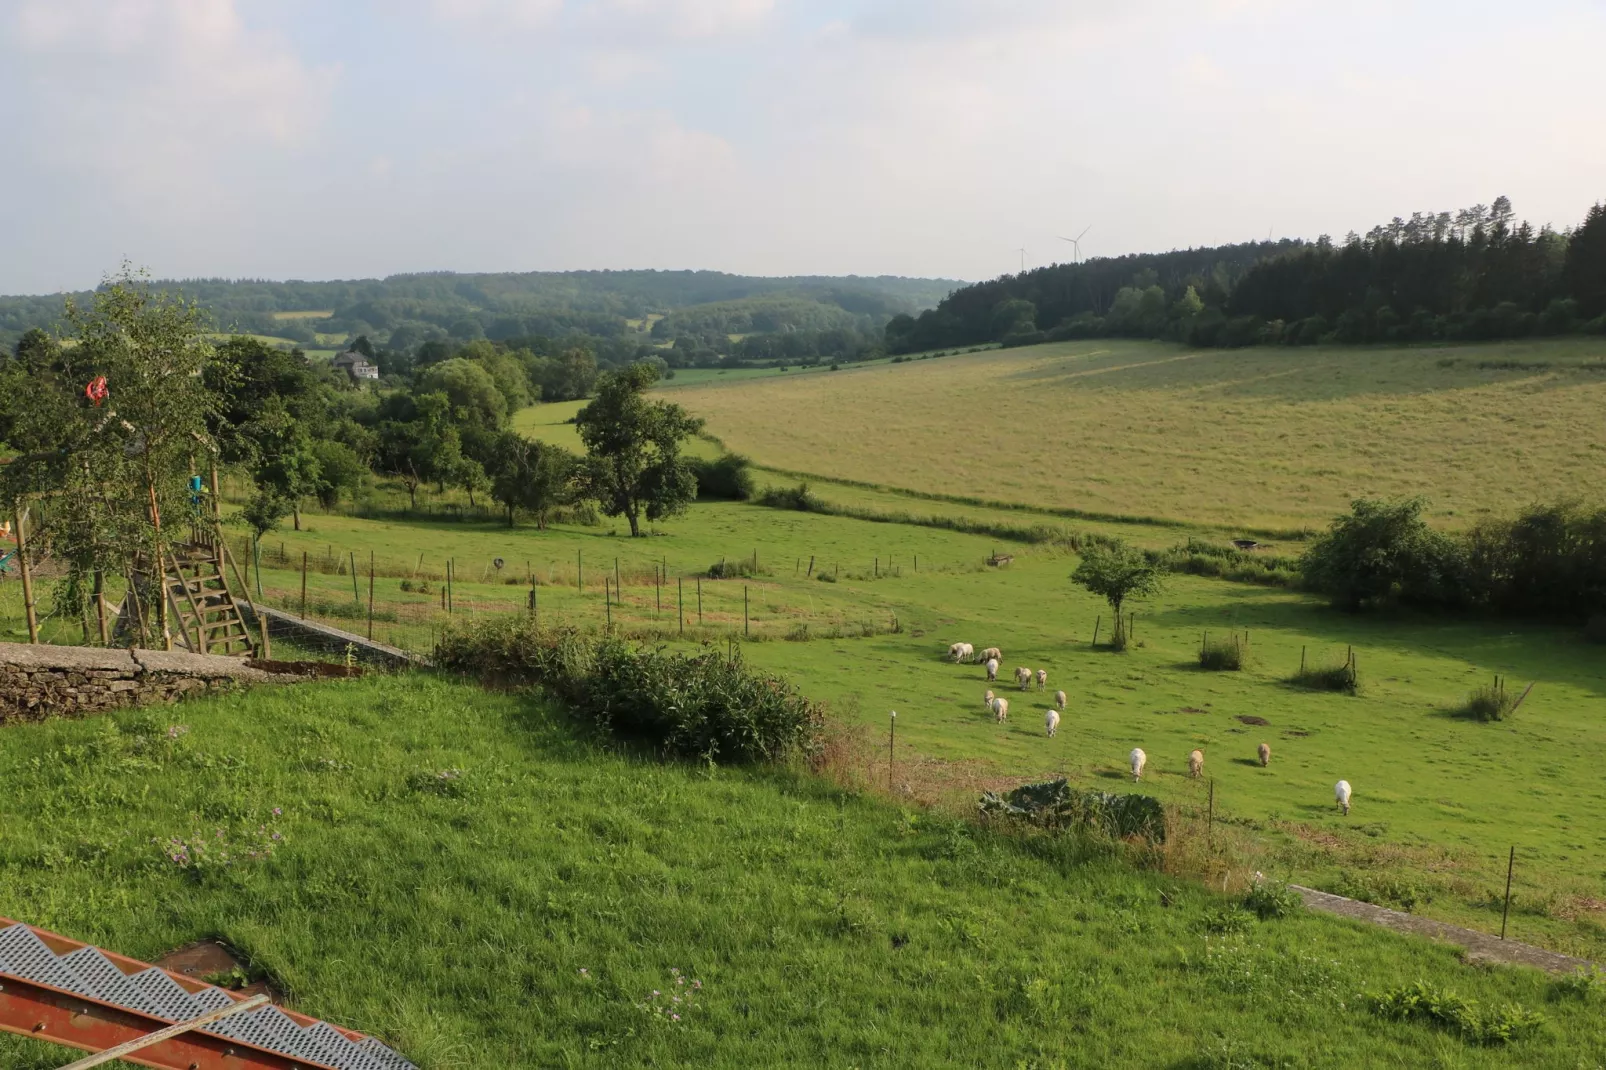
320,139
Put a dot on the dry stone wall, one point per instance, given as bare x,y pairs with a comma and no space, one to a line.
72,681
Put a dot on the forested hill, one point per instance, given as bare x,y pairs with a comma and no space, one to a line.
1474,274
406,310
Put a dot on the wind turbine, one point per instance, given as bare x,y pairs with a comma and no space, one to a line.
1076,243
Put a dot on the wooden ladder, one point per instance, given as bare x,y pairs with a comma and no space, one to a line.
208,618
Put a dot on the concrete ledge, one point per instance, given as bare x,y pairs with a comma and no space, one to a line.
65,658
333,640
1480,947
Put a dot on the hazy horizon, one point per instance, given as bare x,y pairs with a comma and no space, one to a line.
935,139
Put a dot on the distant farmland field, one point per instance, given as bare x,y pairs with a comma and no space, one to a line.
1274,438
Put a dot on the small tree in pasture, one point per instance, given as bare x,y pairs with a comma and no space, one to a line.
537,477
634,466
1116,573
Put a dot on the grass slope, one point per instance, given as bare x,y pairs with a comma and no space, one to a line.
1439,799
1259,437
524,912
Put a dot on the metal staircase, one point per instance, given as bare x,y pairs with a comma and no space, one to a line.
69,993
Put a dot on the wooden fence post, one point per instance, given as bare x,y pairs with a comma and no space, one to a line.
27,577
356,596
1096,622
699,601
745,630
370,596
1511,864
680,597
303,585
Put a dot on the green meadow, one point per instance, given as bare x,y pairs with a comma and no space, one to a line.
873,924
463,874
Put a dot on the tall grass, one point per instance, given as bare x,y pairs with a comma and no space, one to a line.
1221,655
1490,702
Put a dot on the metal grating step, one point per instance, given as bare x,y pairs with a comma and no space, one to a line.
155,994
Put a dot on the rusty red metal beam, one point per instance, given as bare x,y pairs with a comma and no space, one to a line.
50,1014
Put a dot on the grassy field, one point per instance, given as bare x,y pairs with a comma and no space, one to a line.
1439,799
1260,438
535,905
322,314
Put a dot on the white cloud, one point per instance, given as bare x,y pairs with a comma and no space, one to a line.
514,14
684,19
150,84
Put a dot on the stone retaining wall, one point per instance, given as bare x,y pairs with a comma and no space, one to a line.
43,681
332,640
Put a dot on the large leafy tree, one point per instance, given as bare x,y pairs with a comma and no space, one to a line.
115,473
1117,572
634,465
1381,551
537,477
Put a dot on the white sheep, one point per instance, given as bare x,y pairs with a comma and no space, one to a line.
1051,721
956,650
992,669
1001,710
1023,677
1341,793
992,653
966,652
1059,699
987,700
1265,755
1042,679
1138,759
1195,763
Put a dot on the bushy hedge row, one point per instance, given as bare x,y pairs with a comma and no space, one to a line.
1548,561
706,707
727,477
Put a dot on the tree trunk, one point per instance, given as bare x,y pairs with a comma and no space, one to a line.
510,516
412,495
471,504
296,512
635,524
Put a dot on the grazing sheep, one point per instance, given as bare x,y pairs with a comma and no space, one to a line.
1059,699
987,700
1042,679
992,653
1000,710
1341,792
1138,759
1051,721
1023,677
1196,763
992,669
956,650
1265,755
966,652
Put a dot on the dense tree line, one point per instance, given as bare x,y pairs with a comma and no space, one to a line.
303,430
1548,561
405,311
1470,275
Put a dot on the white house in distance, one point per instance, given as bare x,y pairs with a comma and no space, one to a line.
355,365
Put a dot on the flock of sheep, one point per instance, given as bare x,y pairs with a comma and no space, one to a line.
998,706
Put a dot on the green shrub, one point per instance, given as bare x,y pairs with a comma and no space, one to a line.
1488,703
1383,891
1340,678
726,569
1221,655
1054,804
728,477
1423,1002
706,706
1587,983
1273,899
799,498
825,577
